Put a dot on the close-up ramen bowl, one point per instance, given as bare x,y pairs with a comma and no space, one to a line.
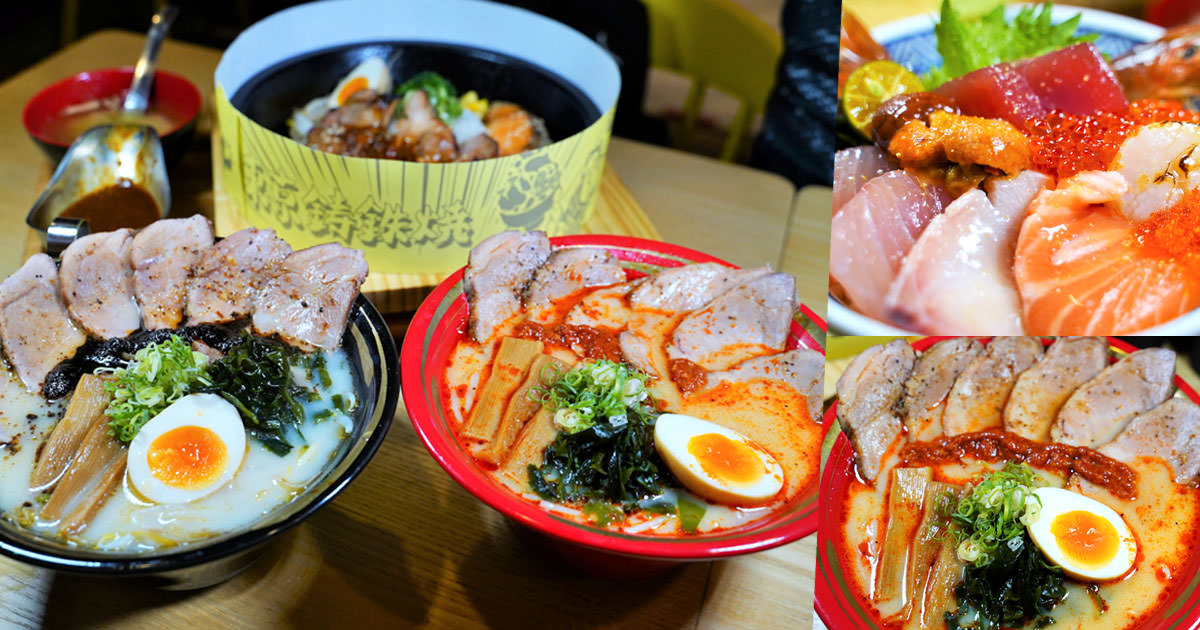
412,216
438,329
209,554
1046,451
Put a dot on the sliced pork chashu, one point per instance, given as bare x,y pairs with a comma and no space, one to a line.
163,255
977,400
36,329
1170,431
604,308
97,284
1042,390
690,287
749,320
308,298
498,271
931,381
869,393
801,368
1097,411
228,274
567,271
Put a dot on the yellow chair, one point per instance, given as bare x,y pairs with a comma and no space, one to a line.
717,43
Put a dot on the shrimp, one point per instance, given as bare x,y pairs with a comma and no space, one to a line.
1167,68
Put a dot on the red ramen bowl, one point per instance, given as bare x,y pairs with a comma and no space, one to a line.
440,324
837,599
59,113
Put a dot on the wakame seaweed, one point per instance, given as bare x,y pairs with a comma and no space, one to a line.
615,463
1017,589
255,376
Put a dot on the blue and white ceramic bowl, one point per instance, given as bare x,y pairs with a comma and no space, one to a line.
911,42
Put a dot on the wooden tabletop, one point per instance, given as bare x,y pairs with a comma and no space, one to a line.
405,546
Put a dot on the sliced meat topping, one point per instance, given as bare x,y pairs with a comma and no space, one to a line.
690,287
603,308
1099,409
308,298
567,271
868,397
97,284
977,400
931,381
802,369
499,269
749,320
1041,390
1170,431
229,273
163,255
37,331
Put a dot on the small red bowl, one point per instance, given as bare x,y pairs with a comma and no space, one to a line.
437,327
172,95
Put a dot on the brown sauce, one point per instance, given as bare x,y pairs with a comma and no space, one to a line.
593,343
688,376
994,445
119,205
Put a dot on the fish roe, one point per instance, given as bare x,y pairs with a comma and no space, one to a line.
1174,231
1065,144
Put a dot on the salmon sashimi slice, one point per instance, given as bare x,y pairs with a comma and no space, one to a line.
1080,271
873,233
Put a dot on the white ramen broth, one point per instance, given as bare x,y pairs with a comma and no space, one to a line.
128,523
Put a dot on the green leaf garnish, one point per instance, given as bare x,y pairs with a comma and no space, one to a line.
690,515
968,45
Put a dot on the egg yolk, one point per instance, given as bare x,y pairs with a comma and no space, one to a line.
729,460
352,86
187,457
1085,537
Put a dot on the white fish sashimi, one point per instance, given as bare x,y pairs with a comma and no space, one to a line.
958,277
1160,163
853,168
874,231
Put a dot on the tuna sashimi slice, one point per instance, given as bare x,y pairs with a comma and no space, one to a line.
1080,271
874,231
1076,80
997,91
854,167
958,277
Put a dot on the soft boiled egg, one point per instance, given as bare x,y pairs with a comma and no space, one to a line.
371,74
716,463
1088,539
188,451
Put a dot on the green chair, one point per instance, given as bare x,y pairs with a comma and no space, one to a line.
716,43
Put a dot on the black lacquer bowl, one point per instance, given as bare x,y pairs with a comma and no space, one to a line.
372,354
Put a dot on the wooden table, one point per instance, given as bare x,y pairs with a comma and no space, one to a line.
405,546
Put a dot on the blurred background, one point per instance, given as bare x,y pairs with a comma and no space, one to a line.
709,103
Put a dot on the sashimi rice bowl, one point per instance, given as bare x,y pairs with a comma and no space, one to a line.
1029,170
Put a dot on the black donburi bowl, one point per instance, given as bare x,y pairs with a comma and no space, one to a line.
372,355
269,97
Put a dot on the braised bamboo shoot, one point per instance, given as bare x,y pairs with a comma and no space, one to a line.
85,409
906,500
508,372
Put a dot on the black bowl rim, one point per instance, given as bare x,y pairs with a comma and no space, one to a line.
151,564
588,108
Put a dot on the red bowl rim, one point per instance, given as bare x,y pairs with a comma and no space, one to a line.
195,101
841,613
466,473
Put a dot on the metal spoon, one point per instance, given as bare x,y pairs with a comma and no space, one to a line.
138,97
